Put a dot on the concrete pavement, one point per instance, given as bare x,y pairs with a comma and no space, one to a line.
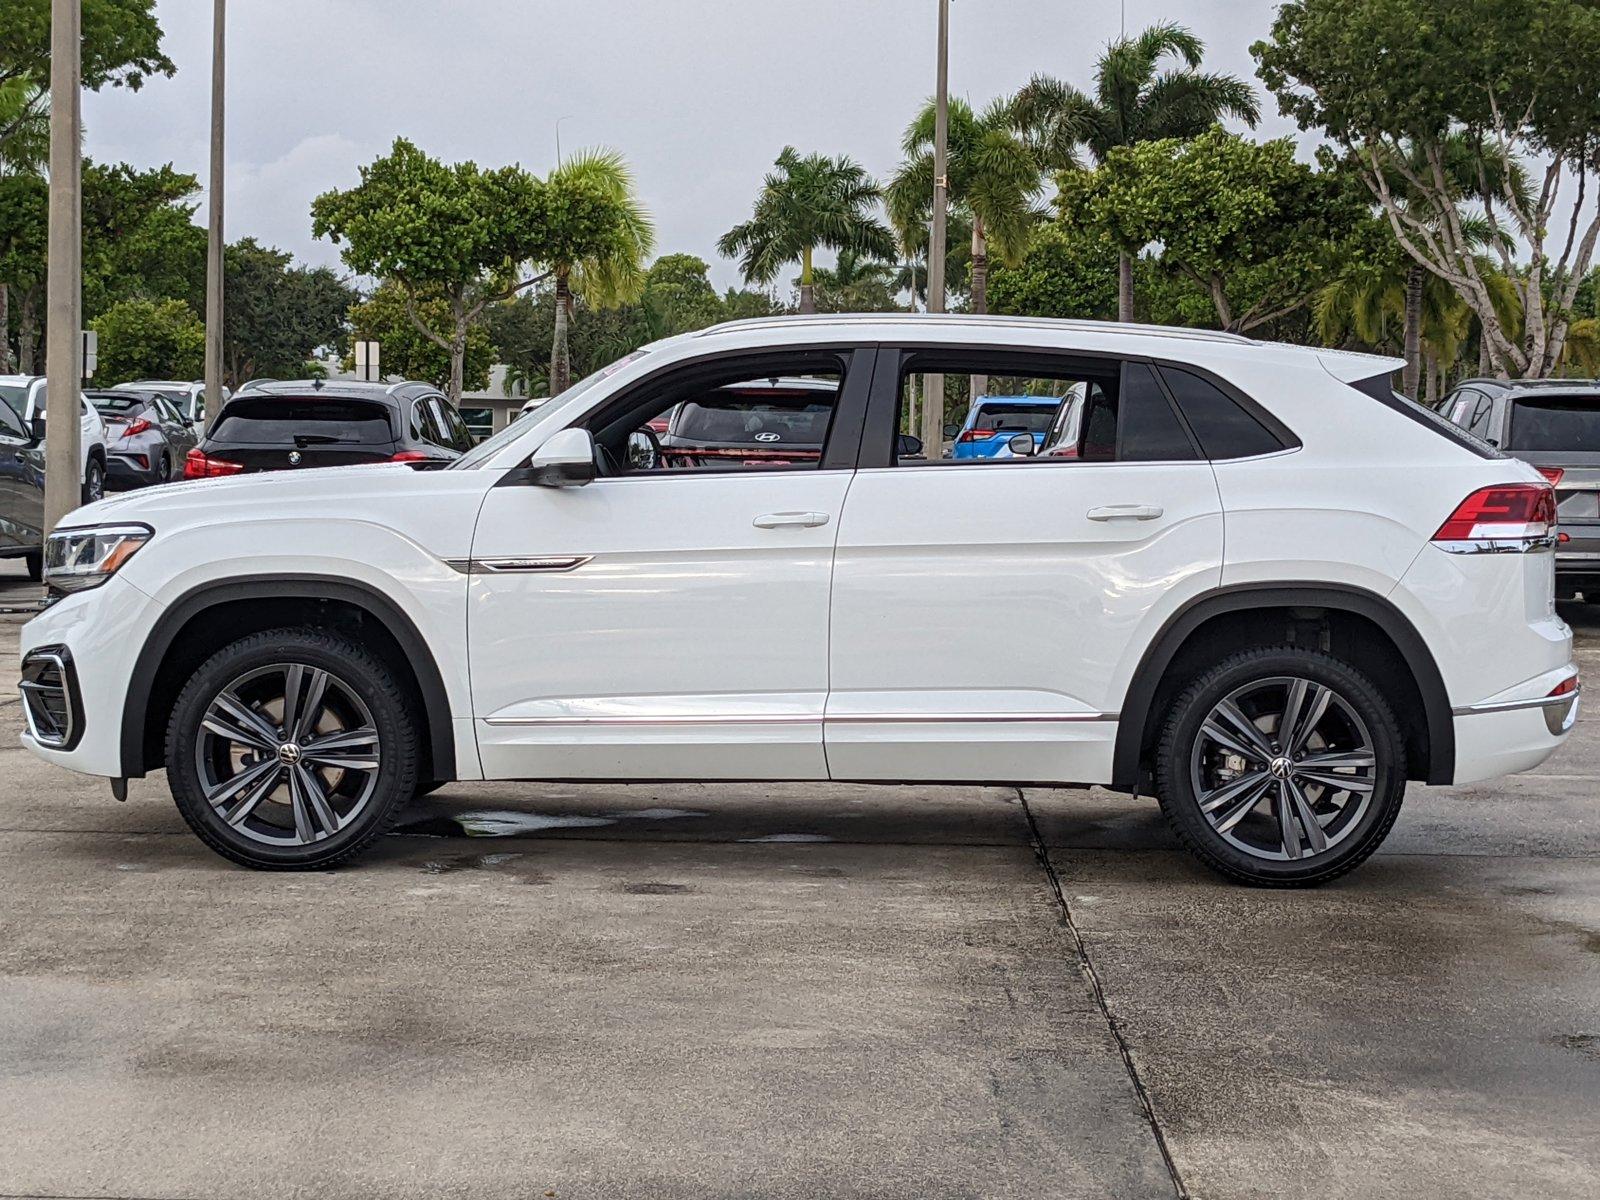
795,991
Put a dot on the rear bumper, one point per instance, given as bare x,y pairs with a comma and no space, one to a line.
1503,739
126,470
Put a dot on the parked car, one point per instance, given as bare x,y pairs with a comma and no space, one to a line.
22,469
1271,604
147,438
311,423
25,396
994,421
751,423
1554,425
189,398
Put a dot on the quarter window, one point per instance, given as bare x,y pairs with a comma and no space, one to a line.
1221,424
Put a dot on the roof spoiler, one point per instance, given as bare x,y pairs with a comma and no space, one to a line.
1348,367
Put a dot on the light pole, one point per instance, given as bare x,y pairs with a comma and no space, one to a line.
214,219
933,385
63,481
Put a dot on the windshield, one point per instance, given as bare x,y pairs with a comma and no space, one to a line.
16,398
291,420
489,447
1564,423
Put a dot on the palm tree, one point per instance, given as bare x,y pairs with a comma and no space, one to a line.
614,277
994,179
808,203
856,284
1137,98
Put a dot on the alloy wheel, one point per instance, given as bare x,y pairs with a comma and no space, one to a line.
94,483
1284,768
288,754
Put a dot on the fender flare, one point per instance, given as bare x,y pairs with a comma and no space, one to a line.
1418,658
435,700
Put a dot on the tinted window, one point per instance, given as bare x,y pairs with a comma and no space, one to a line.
1014,418
126,405
1224,428
452,433
1569,423
423,426
16,398
773,421
291,420
10,423
1148,430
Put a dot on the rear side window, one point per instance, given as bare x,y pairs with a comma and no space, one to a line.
313,420
1147,428
1569,423
1222,425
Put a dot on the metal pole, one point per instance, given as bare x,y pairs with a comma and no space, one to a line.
63,479
933,389
214,220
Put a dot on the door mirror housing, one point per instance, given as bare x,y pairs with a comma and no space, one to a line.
910,446
36,427
1022,445
566,460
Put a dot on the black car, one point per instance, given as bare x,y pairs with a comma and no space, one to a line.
1553,425
313,423
147,438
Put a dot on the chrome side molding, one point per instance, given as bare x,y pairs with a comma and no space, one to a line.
518,566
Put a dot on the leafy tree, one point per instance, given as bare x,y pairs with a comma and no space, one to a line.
856,284
809,203
1397,82
746,304
1257,231
1063,274
609,269
416,335
679,297
121,47
23,233
144,339
1139,96
993,175
458,235
278,315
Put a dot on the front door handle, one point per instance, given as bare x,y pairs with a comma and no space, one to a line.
791,520
1126,512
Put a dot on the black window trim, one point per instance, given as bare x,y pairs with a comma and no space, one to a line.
883,415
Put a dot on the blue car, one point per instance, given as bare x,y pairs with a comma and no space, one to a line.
995,420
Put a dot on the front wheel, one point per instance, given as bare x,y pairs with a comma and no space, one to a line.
292,748
1281,767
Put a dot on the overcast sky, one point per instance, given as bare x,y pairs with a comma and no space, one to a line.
699,95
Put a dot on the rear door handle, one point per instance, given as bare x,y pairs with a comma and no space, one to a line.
791,520
1126,512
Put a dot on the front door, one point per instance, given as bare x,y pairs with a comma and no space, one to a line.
988,612
670,619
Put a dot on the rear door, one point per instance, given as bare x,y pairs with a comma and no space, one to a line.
270,432
987,614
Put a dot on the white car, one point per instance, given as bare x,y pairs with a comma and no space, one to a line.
25,395
1265,588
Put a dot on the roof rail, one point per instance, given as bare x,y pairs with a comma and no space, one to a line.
976,321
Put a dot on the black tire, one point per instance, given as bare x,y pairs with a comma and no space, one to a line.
1180,758
94,480
34,561
354,668
164,468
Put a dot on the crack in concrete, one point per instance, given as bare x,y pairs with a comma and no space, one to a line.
1086,965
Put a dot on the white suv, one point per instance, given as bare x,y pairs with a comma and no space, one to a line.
1263,587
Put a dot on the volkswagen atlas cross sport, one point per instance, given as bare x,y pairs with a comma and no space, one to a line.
1265,589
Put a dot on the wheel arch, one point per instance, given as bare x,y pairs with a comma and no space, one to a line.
1430,737
296,593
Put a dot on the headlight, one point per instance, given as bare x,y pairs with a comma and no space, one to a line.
78,559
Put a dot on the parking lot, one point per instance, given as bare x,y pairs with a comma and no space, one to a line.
750,990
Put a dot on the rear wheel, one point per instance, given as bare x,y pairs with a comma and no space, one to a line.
94,480
292,748
1281,767
164,468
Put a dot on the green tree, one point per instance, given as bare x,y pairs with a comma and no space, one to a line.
994,179
810,202
458,235
278,314
607,270
1398,82
856,284
1063,274
1148,87
1257,231
144,339
23,232
678,295
415,335
121,47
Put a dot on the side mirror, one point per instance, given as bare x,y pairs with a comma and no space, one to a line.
566,460
37,425
909,447
644,450
951,431
1022,445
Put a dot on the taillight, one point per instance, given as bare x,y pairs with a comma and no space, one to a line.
1553,474
975,435
138,426
1509,516
409,456
197,464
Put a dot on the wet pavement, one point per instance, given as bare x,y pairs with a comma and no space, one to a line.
757,991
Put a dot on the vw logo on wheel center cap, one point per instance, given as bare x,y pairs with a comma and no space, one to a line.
289,754
1280,768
